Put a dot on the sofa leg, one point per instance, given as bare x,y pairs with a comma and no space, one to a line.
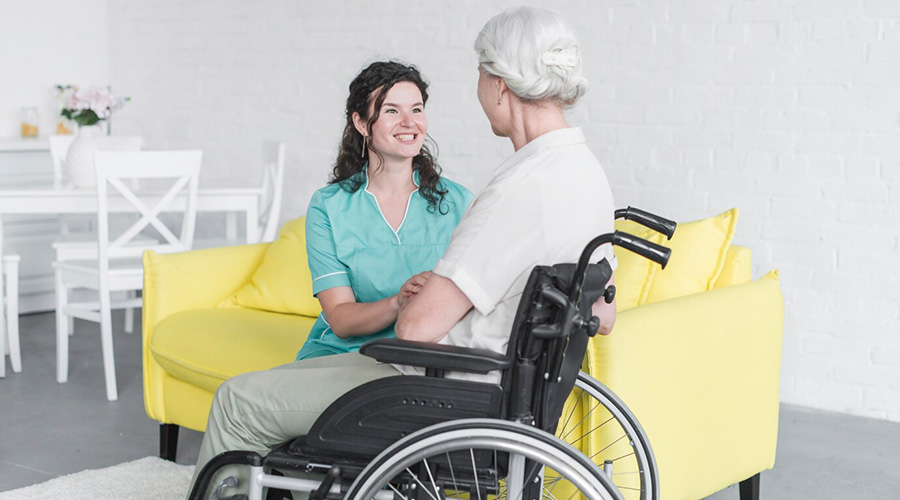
168,441
750,488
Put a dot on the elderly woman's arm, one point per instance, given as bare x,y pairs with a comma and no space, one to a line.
430,314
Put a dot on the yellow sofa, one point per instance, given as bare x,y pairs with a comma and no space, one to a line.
699,371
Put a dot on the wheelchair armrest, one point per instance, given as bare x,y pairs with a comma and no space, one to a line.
435,356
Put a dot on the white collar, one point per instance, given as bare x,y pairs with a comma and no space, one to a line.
365,174
554,138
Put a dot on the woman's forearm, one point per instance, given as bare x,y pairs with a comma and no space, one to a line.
353,319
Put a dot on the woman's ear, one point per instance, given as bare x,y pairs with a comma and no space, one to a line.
502,90
359,124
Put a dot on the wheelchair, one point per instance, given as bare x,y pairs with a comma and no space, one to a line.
432,437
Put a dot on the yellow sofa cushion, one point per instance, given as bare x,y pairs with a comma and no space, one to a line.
634,273
205,347
282,282
737,267
698,257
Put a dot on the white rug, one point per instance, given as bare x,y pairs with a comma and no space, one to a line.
149,478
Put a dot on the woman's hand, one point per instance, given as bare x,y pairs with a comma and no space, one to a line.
606,312
412,287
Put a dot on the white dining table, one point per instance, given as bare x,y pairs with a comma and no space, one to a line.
37,196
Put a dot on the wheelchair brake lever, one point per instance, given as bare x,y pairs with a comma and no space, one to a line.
555,296
332,474
570,315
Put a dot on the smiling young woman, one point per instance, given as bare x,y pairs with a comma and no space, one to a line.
374,233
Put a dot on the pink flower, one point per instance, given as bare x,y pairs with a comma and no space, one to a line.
96,99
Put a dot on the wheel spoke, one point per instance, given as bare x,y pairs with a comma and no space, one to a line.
608,428
572,412
549,493
475,473
588,433
585,417
391,486
431,478
623,456
452,475
425,459
416,478
610,444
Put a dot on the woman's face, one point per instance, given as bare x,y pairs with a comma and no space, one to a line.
399,132
488,95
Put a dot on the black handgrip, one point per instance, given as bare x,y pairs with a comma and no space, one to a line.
642,247
646,219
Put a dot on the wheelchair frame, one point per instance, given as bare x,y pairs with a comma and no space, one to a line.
363,431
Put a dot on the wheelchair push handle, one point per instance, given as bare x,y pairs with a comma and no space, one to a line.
646,219
642,247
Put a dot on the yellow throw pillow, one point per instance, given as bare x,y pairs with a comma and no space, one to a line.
698,256
282,282
634,273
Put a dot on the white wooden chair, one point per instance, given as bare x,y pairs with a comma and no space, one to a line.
9,302
9,288
118,265
273,155
83,244
273,190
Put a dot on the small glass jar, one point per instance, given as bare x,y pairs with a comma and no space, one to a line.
29,122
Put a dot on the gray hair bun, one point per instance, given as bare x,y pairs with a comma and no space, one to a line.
535,52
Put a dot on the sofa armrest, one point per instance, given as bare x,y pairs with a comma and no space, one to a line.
197,279
177,282
701,373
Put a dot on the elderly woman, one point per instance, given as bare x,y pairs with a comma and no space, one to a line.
543,205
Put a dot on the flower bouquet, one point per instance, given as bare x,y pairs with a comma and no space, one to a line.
87,107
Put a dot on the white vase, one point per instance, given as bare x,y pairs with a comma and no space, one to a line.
80,158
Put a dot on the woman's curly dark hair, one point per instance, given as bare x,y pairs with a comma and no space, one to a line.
373,83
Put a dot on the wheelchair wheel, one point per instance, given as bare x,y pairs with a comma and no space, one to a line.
481,459
597,421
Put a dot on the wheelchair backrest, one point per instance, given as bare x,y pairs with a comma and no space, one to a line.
548,344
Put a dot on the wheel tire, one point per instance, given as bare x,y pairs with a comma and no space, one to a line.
430,446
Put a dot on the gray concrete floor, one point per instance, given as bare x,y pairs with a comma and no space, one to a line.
49,429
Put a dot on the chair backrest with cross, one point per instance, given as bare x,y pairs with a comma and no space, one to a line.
177,170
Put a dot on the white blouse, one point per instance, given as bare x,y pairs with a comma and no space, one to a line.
543,205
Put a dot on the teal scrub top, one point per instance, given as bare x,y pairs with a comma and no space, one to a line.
350,243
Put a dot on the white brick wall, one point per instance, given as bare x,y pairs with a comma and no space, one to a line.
39,50
788,109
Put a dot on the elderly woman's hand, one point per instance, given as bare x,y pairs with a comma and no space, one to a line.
606,312
412,287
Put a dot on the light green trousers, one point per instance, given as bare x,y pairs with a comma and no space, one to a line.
260,410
